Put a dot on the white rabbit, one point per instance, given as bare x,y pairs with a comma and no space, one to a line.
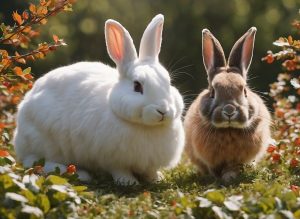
126,121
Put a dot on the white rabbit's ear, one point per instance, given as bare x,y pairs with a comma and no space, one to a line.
151,39
242,51
212,52
119,43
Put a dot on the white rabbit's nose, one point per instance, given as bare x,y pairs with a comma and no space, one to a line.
229,110
161,112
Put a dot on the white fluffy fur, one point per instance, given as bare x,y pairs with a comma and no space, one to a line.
88,114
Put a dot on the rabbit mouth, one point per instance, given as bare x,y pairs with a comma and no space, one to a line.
230,124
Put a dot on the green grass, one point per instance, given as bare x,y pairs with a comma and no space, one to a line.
258,192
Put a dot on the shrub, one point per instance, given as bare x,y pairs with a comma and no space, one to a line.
15,74
286,94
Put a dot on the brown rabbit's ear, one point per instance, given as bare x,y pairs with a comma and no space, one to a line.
242,51
212,52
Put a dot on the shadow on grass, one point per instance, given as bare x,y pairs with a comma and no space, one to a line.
184,178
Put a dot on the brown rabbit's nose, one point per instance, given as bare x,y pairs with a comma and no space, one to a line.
229,110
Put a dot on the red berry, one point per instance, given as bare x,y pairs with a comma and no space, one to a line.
6,84
173,203
297,141
279,113
276,157
269,59
271,148
294,162
298,104
71,169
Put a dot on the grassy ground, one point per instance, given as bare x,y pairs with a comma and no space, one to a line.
184,194
265,191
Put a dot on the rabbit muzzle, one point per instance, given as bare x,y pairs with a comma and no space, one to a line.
230,116
156,115
229,112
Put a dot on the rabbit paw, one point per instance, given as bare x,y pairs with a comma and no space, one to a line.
154,176
229,176
84,176
124,178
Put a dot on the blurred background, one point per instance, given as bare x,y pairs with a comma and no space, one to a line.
82,30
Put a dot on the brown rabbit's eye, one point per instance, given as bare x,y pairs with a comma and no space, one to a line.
212,93
138,87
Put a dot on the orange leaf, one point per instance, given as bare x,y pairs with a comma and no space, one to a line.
44,21
28,76
32,8
290,40
42,2
4,153
26,30
23,61
42,10
55,38
15,100
25,15
18,71
17,18
33,33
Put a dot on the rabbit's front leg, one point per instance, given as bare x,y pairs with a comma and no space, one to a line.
124,177
230,172
153,176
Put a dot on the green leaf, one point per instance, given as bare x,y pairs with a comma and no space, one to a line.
204,203
232,206
59,196
60,188
30,182
43,202
9,160
27,71
219,213
6,182
215,196
15,197
40,181
297,214
29,195
52,179
287,214
32,210
79,188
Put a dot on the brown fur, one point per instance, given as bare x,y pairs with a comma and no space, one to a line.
228,125
211,148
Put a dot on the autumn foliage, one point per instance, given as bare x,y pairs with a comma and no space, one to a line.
15,74
286,94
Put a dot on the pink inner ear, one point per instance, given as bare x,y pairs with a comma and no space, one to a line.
208,53
158,38
247,51
116,42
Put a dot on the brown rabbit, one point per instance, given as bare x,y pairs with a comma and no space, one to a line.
228,124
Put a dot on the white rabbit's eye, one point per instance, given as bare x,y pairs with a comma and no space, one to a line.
138,87
245,92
